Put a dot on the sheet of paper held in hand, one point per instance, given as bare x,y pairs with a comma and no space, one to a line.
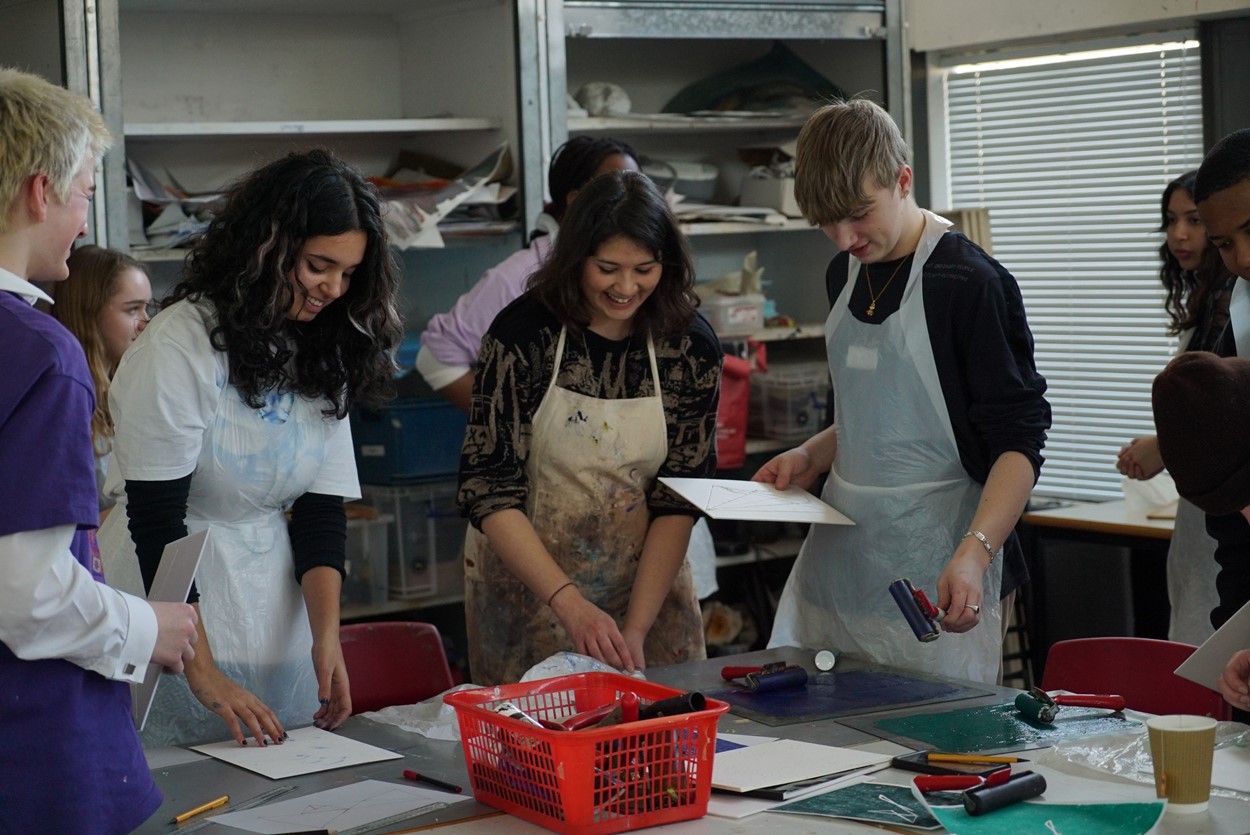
305,751
1206,665
753,501
173,579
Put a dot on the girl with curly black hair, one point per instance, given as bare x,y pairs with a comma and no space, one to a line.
230,411
1197,288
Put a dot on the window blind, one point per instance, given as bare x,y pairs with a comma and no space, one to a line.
1070,154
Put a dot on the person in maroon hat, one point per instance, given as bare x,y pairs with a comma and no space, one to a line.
1201,402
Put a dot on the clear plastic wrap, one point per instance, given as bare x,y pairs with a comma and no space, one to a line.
1127,755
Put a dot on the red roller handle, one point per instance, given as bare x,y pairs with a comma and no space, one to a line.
728,673
1075,700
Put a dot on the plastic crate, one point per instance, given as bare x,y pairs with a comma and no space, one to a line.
367,551
410,440
591,781
425,540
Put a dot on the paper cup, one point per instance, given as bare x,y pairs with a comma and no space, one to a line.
1182,748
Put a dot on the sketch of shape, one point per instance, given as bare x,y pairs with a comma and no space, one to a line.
343,808
726,498
748,500
306,750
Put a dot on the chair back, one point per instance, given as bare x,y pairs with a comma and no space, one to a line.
393,663
1139,669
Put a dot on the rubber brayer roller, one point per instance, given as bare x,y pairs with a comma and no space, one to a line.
921,615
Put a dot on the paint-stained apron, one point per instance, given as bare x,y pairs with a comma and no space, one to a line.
897,474
591,464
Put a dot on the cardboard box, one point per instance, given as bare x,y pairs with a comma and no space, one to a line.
770,193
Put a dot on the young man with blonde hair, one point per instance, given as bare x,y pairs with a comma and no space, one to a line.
69,755
939,415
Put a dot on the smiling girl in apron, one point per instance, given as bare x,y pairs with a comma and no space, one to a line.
590,547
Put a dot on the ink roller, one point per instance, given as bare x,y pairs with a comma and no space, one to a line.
985,799
775,676
1040,706
674,706
921,615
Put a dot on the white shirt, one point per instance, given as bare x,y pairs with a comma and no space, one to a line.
51,606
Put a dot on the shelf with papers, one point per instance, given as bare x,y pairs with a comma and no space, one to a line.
742,227
162,131
677,122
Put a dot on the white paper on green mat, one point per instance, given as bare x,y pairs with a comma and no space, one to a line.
724,498
339,809
305,751
784,761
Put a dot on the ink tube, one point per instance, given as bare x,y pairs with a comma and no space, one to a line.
986,799
901,591
791,678
513,712
674,706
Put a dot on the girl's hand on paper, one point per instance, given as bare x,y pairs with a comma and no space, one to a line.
333,691
234,704
794,466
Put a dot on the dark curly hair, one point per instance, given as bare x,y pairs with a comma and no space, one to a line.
1187,293
619,203
242,266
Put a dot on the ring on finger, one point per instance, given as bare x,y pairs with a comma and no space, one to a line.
976,610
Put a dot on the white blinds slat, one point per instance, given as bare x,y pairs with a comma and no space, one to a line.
1071,159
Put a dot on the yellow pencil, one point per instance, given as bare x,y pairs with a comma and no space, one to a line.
212,804
969,758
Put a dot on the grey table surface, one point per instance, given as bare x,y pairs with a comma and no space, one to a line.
190,784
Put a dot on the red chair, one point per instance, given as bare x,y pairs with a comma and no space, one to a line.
1139,669
393,663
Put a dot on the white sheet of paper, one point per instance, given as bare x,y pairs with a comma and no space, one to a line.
339,809
723,498
305,751
785,761
1207,663
173,579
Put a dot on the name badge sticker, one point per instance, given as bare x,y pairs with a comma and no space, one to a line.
861,358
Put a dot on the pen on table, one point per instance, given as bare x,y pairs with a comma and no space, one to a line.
969,758
421,778
212,804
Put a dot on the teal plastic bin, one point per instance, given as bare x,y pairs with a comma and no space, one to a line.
411,440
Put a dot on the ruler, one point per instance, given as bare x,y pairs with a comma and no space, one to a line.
385,822
250,803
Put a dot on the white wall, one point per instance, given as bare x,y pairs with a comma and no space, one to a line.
944,24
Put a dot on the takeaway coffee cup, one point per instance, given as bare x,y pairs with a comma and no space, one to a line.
1182,748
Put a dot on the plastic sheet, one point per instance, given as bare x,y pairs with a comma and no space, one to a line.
571,663
430,718
1127,755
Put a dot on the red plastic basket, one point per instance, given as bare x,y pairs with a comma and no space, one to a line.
590,781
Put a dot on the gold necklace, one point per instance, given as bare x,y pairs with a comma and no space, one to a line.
872,297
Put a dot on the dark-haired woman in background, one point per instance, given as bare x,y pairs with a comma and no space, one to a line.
1198,289
600,379
230,410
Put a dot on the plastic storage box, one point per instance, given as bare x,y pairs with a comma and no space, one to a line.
426,538
591,781
792,399
367,548
409,440
734,315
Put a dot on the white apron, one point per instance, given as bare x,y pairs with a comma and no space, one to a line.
590,465
897,474
1192,568
252,467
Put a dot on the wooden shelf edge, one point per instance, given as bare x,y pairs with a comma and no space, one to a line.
297,127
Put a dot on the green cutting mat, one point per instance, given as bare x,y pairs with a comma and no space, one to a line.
1048,818
993,728
873,802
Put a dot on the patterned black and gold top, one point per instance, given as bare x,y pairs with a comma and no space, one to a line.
515,367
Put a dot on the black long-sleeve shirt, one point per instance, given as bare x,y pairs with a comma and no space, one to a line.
983,350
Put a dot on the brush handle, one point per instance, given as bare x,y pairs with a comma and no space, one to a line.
729,673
